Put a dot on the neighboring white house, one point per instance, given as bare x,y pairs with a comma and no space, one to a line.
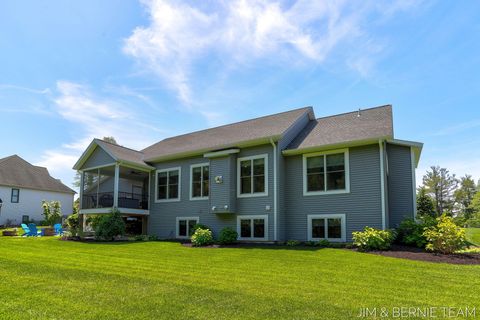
23,186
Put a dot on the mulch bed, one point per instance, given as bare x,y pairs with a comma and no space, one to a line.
412,253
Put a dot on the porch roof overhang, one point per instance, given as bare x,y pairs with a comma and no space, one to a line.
123,211
140,165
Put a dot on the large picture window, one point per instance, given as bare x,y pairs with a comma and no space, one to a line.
252,176
168,184
328,226
186,226
199,181
252,227
326,172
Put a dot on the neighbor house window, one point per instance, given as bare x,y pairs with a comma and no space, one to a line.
15,197
328,226
199,181
186,226
252,176
326,172
252,227
168,184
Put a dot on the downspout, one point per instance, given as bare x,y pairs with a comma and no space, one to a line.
274,190
382,183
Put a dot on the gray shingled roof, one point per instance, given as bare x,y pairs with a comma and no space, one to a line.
122,153
349,127
272,126
16,172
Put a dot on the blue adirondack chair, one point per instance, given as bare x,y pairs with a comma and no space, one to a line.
34,232
26,230
58,229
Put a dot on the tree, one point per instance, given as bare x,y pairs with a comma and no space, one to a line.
77,178
440,185
475,204
464,196
52,212
425,205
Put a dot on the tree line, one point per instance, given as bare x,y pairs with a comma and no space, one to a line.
443,193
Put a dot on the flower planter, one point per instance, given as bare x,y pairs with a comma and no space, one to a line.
48,232
9,233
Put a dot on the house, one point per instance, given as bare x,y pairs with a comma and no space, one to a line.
284,176
23,186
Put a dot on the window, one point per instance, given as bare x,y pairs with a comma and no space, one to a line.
25,219
328,226
252,176
199,181
326,172
252,227
15,197
168,184
185,226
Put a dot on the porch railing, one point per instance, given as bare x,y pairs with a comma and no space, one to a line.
105,200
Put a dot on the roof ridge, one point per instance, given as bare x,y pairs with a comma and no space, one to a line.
360,109
229,124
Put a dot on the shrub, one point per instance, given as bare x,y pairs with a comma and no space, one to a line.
323,243
73,224
410,232
108,226
140,237
228,236
152,237
52,212
202,237
373,239
199,226
445,237
293,243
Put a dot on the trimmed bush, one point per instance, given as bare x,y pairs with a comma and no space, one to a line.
109,226
293,243
410,232
202,237
199,226
445,237
373,239
228,236
73,224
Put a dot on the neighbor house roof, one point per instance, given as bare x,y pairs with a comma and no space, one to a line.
16,172
358,126
231,135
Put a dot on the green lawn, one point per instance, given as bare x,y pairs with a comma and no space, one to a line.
473,235
51,279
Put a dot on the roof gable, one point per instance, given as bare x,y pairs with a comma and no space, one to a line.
16,172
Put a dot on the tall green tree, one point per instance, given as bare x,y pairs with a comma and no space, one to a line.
425,205
475,204
441,185
77,178
464,195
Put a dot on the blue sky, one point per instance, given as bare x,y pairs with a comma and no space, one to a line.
143,71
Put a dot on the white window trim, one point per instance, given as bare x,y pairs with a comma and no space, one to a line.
205,164
179,184
327,216
177,224
251,217
252,194
347,173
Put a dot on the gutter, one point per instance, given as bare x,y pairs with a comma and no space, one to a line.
275,190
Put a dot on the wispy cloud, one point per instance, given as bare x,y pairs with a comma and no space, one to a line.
458,128
240,32
92,116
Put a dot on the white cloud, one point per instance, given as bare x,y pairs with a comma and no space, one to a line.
92,117
239,32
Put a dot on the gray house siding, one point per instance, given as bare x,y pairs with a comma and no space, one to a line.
400,186
98,158
288,137
224,193
162,219
362,206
